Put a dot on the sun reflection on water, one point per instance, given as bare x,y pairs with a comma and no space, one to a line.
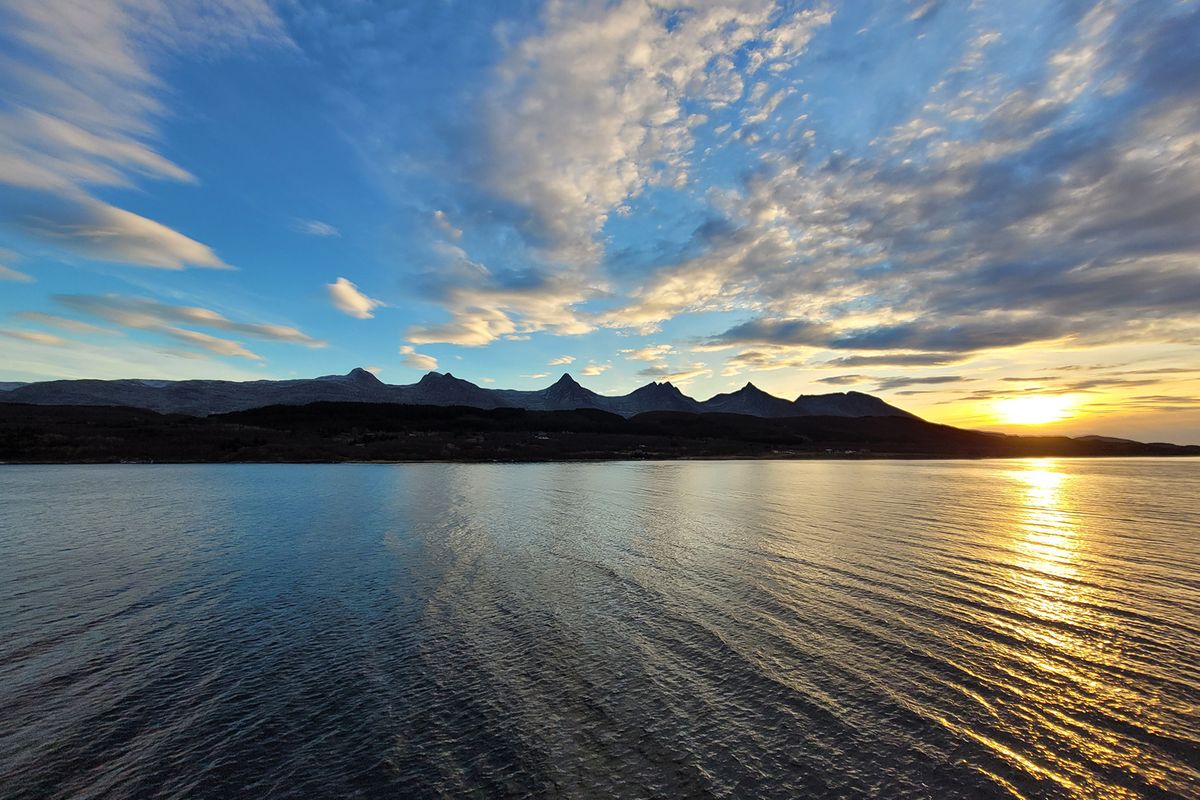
1054,591
1046,540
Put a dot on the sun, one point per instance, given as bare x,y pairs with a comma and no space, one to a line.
1035,409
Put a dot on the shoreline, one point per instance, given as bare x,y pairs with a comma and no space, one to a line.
614,460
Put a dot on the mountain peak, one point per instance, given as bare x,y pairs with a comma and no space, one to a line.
362,376
566,380
666,387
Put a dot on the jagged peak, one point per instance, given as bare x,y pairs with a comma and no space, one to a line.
566,380
656,386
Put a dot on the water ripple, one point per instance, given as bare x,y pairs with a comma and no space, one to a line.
741,629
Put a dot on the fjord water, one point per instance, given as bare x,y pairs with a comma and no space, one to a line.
1019,628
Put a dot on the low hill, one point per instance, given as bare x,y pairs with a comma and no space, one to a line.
357,431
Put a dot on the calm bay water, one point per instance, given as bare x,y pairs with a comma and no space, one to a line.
732,629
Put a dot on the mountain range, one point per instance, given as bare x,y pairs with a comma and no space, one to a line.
205,397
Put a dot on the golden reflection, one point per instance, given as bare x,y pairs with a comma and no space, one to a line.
1046,541
1055,600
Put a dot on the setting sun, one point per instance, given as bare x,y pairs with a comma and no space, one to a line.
1035,409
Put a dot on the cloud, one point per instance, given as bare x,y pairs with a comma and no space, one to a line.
762,361
150,315
1013,207
596,369
442,221
561,361
417,360
65,323
84,358
844,380
895,360
902,381
314,227
83,98
486,305
594,108
9,274
696,370
35,337
349,300
138,312
537,375
100,231
651,352
213,344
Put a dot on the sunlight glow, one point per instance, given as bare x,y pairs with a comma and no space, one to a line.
1035,409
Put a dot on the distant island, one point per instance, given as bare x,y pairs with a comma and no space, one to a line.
356,417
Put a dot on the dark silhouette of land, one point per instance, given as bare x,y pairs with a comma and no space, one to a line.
357,431
204,397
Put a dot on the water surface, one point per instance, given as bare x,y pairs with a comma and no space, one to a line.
731,629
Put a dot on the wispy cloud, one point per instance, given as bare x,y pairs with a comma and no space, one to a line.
165,319
443,222
35,337
106,233
904,381
10,274
82,106
651,352
314,227
64,323
595,369
561,361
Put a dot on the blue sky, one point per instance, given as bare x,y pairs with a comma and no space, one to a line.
951,204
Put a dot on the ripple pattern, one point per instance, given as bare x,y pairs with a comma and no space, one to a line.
760,629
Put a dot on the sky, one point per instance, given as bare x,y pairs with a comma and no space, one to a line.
987,213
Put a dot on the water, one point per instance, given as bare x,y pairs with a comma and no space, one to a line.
722,629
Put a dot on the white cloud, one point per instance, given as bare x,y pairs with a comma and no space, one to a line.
596,369
104,232
591,111
82,107
441,220
138,312
9,274
349,300
417,360
486,306
651,352
35,337
314,227
84,358
213,344
537,376
64,323
162,318
561,361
